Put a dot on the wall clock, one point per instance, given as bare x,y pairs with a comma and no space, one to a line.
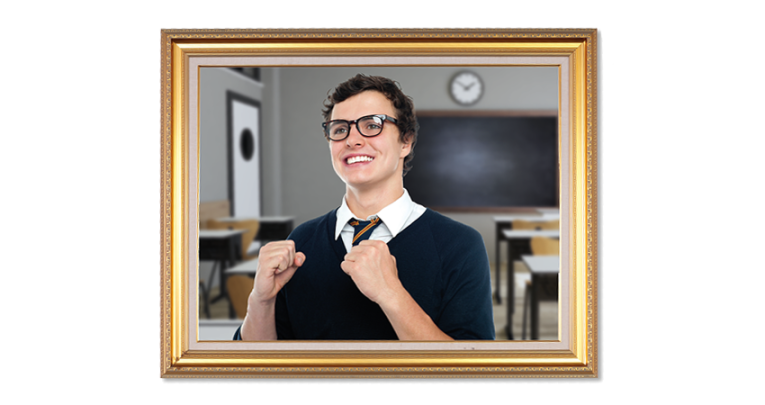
466,88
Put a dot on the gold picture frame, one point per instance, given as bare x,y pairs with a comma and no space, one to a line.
574,51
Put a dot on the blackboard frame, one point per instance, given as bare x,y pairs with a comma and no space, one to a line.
478,114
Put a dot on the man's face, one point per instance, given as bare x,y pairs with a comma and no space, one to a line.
362,162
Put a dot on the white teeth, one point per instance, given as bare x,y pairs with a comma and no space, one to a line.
357,159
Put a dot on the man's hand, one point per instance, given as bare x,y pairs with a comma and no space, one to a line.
277,262
373,269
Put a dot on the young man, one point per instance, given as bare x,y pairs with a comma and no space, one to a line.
418,276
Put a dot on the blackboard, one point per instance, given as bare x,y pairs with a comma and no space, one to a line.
485,162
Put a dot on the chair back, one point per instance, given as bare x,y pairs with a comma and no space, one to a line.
239,288
213,209
545,246
550,225
538,226
251,227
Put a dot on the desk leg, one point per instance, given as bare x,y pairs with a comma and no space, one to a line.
499,236
221,291
497,239
224,290
535,293
515,249
510,290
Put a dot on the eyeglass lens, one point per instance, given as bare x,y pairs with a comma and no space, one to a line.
368,126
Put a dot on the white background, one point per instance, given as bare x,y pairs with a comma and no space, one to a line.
680,193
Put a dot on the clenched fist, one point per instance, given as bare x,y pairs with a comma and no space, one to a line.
277,262
373,270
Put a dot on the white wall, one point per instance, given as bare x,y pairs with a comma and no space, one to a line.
680,91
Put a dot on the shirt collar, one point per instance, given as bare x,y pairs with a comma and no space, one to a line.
393,216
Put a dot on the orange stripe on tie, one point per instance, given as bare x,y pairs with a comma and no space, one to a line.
366,228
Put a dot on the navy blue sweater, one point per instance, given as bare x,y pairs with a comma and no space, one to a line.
441,263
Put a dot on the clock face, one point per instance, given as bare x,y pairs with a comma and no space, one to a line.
466,88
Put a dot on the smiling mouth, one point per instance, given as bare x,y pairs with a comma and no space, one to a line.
357,159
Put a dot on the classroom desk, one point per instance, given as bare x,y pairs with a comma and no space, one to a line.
225,248
249,267
518,244
553,213
218,329
505,222
544,283
271,228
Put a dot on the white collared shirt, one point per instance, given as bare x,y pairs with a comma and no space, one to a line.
395,218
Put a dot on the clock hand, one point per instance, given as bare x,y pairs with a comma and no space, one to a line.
463,86
471,85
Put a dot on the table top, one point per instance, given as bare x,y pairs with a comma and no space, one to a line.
530,233
219,234
218,329
247,267
542,264
261,219
549,211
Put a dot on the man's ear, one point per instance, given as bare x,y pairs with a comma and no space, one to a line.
406,146
405,149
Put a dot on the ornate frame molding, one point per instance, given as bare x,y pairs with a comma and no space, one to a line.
182,357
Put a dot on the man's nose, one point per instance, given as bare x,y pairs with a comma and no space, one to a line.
354,136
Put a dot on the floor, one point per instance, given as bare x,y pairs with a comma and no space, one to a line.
548,310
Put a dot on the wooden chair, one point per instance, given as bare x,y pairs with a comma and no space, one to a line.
211,210
239,288
207,211
532,225
540,246
251,227
520,224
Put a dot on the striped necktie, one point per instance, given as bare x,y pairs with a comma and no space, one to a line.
363,229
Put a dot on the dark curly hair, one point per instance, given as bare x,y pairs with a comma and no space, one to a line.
407,121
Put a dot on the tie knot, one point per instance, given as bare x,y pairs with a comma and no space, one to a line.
362,229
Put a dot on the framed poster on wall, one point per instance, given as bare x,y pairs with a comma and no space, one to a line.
243,155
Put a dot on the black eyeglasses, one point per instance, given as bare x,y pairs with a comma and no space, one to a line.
369,126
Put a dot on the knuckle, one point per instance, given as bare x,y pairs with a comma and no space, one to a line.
286,252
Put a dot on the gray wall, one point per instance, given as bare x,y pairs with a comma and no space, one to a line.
213,169
213,132
298,178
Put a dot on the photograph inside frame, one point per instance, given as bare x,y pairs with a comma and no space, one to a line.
486,157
